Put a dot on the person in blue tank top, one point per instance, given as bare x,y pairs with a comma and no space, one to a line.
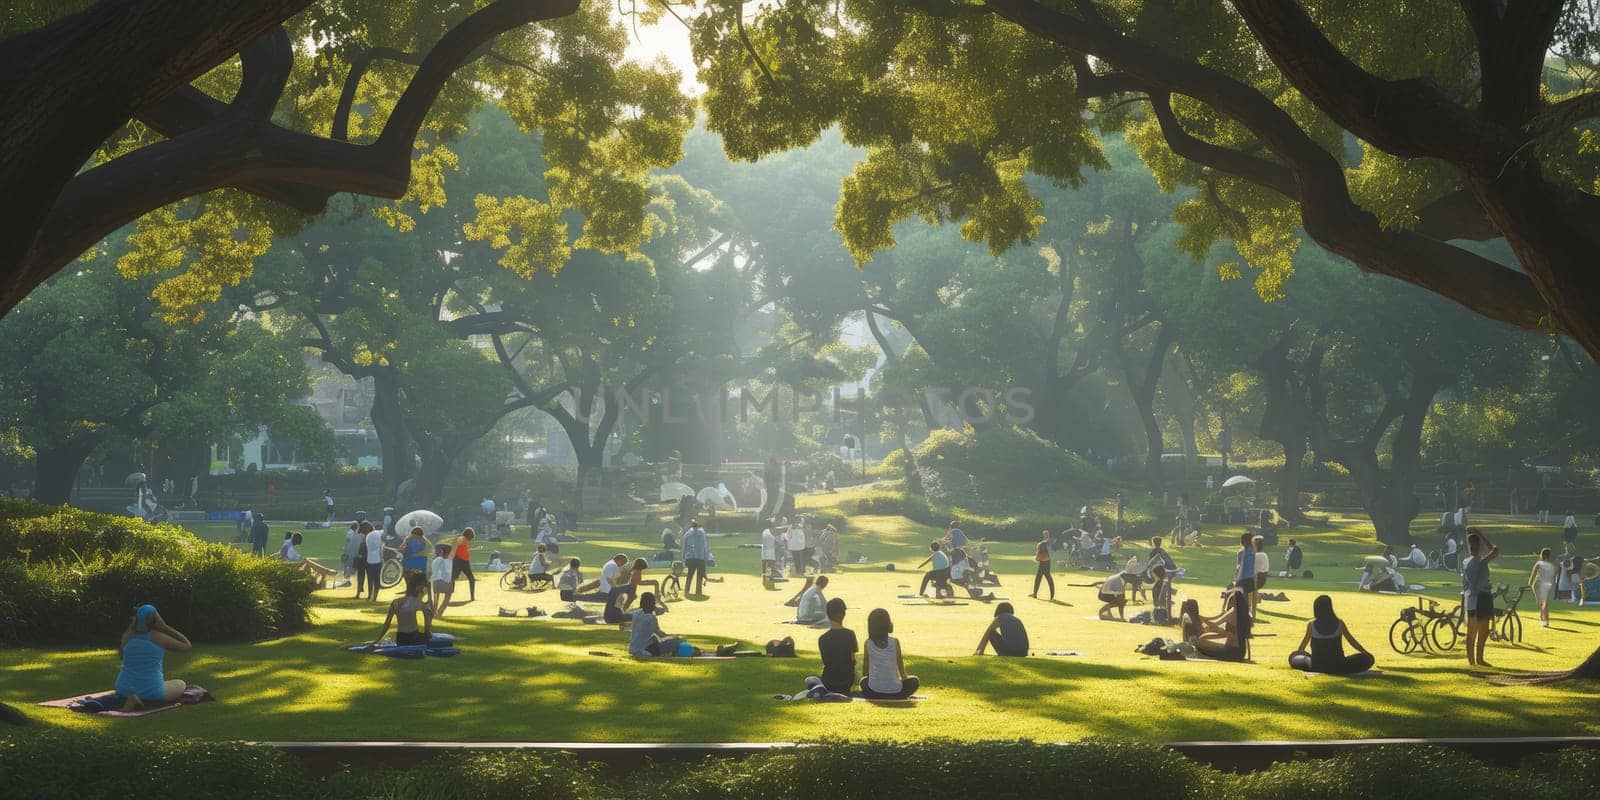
144,647
414,559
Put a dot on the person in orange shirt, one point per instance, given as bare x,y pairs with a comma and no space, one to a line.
461,564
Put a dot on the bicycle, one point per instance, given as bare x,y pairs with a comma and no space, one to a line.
1508,625
1425,627
517,578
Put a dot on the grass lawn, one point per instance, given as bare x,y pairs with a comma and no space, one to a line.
522,679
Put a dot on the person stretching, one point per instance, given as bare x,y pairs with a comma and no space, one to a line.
939,575
1225,637
813,605
1326,634
883,666
143,649
696,552
1006,634
1477,593
1041,571
1113,593
403,613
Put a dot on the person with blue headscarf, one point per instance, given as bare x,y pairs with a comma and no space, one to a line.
144,647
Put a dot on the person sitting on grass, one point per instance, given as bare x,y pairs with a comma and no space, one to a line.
403,613
647,640
1005,634
291,553
838,649
813,605
1378,576
539,566
439,577
1326,634
607,584
883,665
939,576
636,580
964,573
1225,637
1113,593
141,681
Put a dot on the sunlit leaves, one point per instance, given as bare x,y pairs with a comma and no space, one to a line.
214,244
530,234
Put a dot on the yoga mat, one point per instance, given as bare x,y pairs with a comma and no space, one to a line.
193,693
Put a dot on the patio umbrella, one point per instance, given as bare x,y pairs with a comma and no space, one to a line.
133,479
673,492
1237,480
429,522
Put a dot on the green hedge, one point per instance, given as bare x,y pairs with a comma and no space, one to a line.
72,577
63,764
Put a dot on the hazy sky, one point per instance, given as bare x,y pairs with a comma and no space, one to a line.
668,38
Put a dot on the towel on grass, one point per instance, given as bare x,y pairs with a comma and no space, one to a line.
109,704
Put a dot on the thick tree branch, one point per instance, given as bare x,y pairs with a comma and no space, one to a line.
352,81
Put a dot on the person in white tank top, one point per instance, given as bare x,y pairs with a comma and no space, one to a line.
883,667
1542,580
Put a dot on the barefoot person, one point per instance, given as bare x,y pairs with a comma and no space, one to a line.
883,665
1542,580
439,578
1477,593
461,563
1005,634
1225,637
1113,593
403,613
1041,570
144,647
1326,634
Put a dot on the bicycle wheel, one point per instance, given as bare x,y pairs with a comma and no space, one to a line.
508,580
1442,632
1511,627
1400,636
389,574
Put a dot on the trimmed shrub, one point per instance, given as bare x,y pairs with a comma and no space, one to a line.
73,577
47,764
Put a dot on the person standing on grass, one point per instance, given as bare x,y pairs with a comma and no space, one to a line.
1263,566
1569,533
1542,502
1244,568
883,665
1542,580
696,552
1005,633
327,500
352,544
374,565
258,535
1041,570
796,544
439,577
461,564
1477,597
1293,558
414,557
954,537
769,551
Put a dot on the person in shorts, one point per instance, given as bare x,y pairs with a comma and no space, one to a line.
1113,594
1263,566
1477,593
1244,569
440,579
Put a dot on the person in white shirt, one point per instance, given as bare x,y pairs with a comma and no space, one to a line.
374,562
291,548
439,574
352,545
1113,595
1417,558
1263,566
813,605
1450,551
327,500
769,550
797,549
611,573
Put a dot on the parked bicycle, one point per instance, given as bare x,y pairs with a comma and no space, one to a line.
1425,627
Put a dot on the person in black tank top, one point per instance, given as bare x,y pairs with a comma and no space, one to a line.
1326,634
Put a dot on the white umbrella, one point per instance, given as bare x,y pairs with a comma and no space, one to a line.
133,479
673,492
712,496
1236,480
429,522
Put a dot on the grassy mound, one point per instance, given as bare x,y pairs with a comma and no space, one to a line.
72,577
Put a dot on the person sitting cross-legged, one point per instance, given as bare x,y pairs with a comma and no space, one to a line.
1005,634
1325,634
141,680
883,665
403,613
838,650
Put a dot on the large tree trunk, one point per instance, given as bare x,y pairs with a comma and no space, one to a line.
437,462
1388,494
1294,456
394,440
1284,420
1142,388
55,470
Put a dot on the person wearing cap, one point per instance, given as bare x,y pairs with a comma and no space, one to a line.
142,680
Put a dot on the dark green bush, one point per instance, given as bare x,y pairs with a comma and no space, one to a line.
73,577
47,764
1411,772
502,774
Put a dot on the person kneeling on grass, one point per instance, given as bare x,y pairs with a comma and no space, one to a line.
813,605
143,650
1113,595
1326,634
1006,634
403,613
646,637
1225,637
883,665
